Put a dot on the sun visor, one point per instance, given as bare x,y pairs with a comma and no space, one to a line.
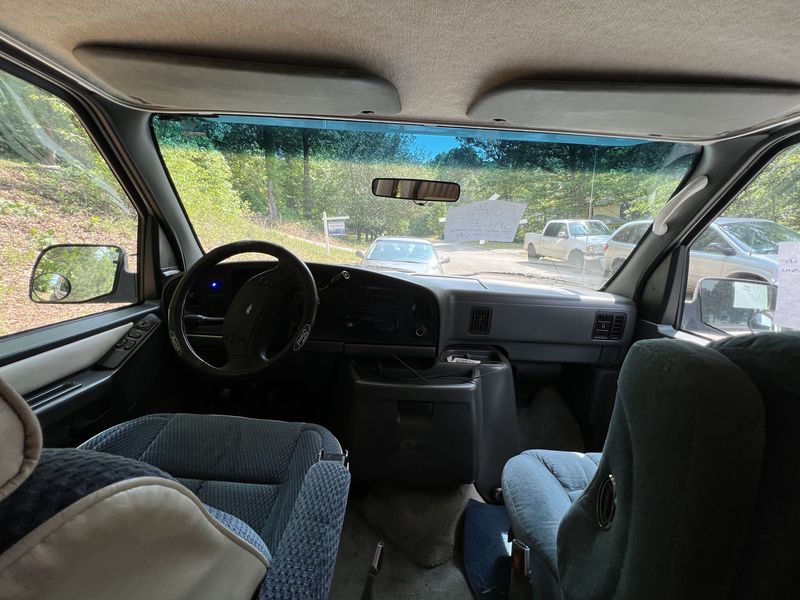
157,80
680,112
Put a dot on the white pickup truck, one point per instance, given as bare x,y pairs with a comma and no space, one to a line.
573,240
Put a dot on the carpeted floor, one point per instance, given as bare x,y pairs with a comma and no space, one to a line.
418,527
546,422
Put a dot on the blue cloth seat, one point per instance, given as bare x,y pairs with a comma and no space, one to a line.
252,469
539,486
178,506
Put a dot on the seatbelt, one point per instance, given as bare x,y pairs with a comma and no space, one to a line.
521,585
374,571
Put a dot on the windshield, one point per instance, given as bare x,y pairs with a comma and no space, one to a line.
306,184
760,237
588,228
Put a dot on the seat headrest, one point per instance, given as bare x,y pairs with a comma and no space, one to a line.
20,440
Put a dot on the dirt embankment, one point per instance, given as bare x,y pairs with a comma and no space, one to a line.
40,207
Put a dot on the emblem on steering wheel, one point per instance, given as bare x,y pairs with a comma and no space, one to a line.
302,337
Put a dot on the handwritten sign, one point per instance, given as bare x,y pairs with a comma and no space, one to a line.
787,308
491,220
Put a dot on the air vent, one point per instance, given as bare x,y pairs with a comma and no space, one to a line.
608,326
480,320
423,311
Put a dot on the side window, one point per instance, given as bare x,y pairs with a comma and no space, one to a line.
630,234
639,232
57,194
551,230
744,269
712,242
561,229
622,235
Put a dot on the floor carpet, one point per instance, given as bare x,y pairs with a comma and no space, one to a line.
487,559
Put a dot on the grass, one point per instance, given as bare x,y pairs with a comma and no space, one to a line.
35,212
311,251
495,245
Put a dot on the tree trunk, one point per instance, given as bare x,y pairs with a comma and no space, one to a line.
268,150
307,204
272,207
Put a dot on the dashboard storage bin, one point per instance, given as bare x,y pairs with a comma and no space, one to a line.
415,426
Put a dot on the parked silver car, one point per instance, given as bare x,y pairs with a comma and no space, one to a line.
738,248
403,254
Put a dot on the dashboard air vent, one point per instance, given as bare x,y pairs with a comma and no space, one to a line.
480,320
423,311
608,326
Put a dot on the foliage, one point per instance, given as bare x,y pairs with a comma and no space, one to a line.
774,193
297,173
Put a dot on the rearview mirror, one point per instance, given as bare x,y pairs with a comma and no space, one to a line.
70,274
419,190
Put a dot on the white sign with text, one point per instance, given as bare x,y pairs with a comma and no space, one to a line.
490,220
787,307
750,295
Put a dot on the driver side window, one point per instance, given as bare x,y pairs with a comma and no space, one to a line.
744,269
68,232
551,231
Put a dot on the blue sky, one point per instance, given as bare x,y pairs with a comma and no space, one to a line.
444,137
435,144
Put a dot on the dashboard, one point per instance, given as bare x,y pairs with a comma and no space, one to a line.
372,313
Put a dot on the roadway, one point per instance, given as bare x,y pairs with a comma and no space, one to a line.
513,264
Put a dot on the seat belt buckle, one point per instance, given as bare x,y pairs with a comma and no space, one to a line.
521,558
342,458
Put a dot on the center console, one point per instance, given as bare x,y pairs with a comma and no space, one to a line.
449,423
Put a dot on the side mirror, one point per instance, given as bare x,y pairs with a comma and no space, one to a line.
733,306
444,260
561,234
71,274
360,253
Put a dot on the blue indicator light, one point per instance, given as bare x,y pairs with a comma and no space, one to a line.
214,285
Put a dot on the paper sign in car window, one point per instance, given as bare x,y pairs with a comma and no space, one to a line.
491,220
750,295
787,307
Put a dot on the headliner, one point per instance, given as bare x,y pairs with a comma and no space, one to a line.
441,56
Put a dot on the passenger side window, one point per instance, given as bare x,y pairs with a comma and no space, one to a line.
744,269
58,194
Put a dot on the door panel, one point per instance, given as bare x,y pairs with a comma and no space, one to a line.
39,370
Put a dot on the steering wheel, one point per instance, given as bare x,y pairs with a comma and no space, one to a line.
276,305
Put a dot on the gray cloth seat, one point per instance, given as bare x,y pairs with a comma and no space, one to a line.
702,448
250,468
263,521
